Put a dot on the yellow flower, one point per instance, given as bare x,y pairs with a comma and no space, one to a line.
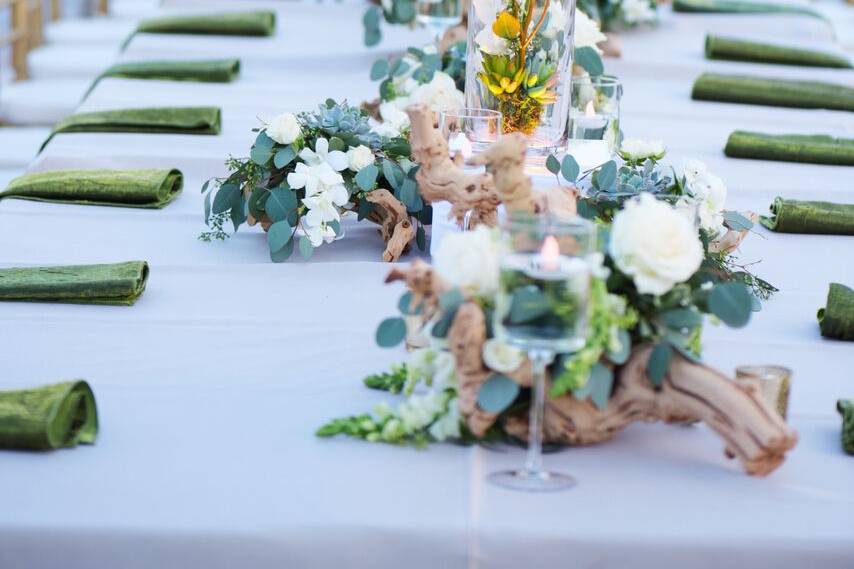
506,26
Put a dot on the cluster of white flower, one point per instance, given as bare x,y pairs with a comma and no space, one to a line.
655,245
637,12
587,32
710,193
440,94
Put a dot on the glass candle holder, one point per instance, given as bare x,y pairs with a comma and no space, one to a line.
774,383
519,62
594,120
438,15
469,132
542,308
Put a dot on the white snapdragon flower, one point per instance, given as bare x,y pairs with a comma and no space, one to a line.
637,11
444,370
637,150
486,39
448,425
359,157
710,192
655,245
319,234
336,159
587,32
284,129
440,94
469,260
502,357
418,411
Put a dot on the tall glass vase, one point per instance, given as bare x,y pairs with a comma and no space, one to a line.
520,64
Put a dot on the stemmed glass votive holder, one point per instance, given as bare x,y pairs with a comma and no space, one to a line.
594,120
542,308
438,15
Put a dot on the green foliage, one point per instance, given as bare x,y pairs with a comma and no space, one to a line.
587,58
391,332
497,394
392,381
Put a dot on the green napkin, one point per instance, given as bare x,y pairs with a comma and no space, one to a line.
836,319
175,120
151,189
815,148
116,284
203,71
50,417
772,92
720,47
846,409
741,7
260,23
793,216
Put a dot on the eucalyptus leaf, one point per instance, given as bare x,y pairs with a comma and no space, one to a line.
552,164
262,150
569,168
421,238
451,300
527,304
497,394
681,318
621,355
279,203
306,249
736,221
278,235
207,207
587,58
732,302
391,332
659,363
366,178
606,176
284,156
284,253
225,197
409,195
379,69
405,305
392,174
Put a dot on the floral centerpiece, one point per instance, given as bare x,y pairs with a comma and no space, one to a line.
306,171
656,281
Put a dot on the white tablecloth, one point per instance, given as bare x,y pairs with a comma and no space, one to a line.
211,386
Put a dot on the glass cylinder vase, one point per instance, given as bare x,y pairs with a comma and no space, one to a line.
520,64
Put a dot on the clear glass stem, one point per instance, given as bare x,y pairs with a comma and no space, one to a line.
540,359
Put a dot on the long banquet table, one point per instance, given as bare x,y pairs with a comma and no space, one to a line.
211,386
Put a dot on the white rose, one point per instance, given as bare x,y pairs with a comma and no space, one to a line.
440,94
655,245
502,357
393,115
486,39
637,150
469,260
710,192
284,129
587,33
359,157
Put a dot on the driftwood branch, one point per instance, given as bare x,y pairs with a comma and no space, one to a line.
750,427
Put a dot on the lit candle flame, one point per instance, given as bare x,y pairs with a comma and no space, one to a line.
590,110
549,254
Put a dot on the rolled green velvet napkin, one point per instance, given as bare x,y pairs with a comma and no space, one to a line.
846,409
170,120
772,92
114,284
741,7
812,148
203,71
258,23
50,417
152,188
825,218
733,49
836,319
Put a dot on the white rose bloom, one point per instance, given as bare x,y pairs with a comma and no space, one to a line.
486,39
469,260
393,115
587,33
710,192
637,150
284,129
440,94
637,11
502,357
655,245
359,157
448,425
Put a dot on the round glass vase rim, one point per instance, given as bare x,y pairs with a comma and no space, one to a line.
598,81
549,224
471,113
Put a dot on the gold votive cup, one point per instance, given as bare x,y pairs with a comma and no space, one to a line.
774,383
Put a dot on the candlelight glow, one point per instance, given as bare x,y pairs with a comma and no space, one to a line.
590,110
549,254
